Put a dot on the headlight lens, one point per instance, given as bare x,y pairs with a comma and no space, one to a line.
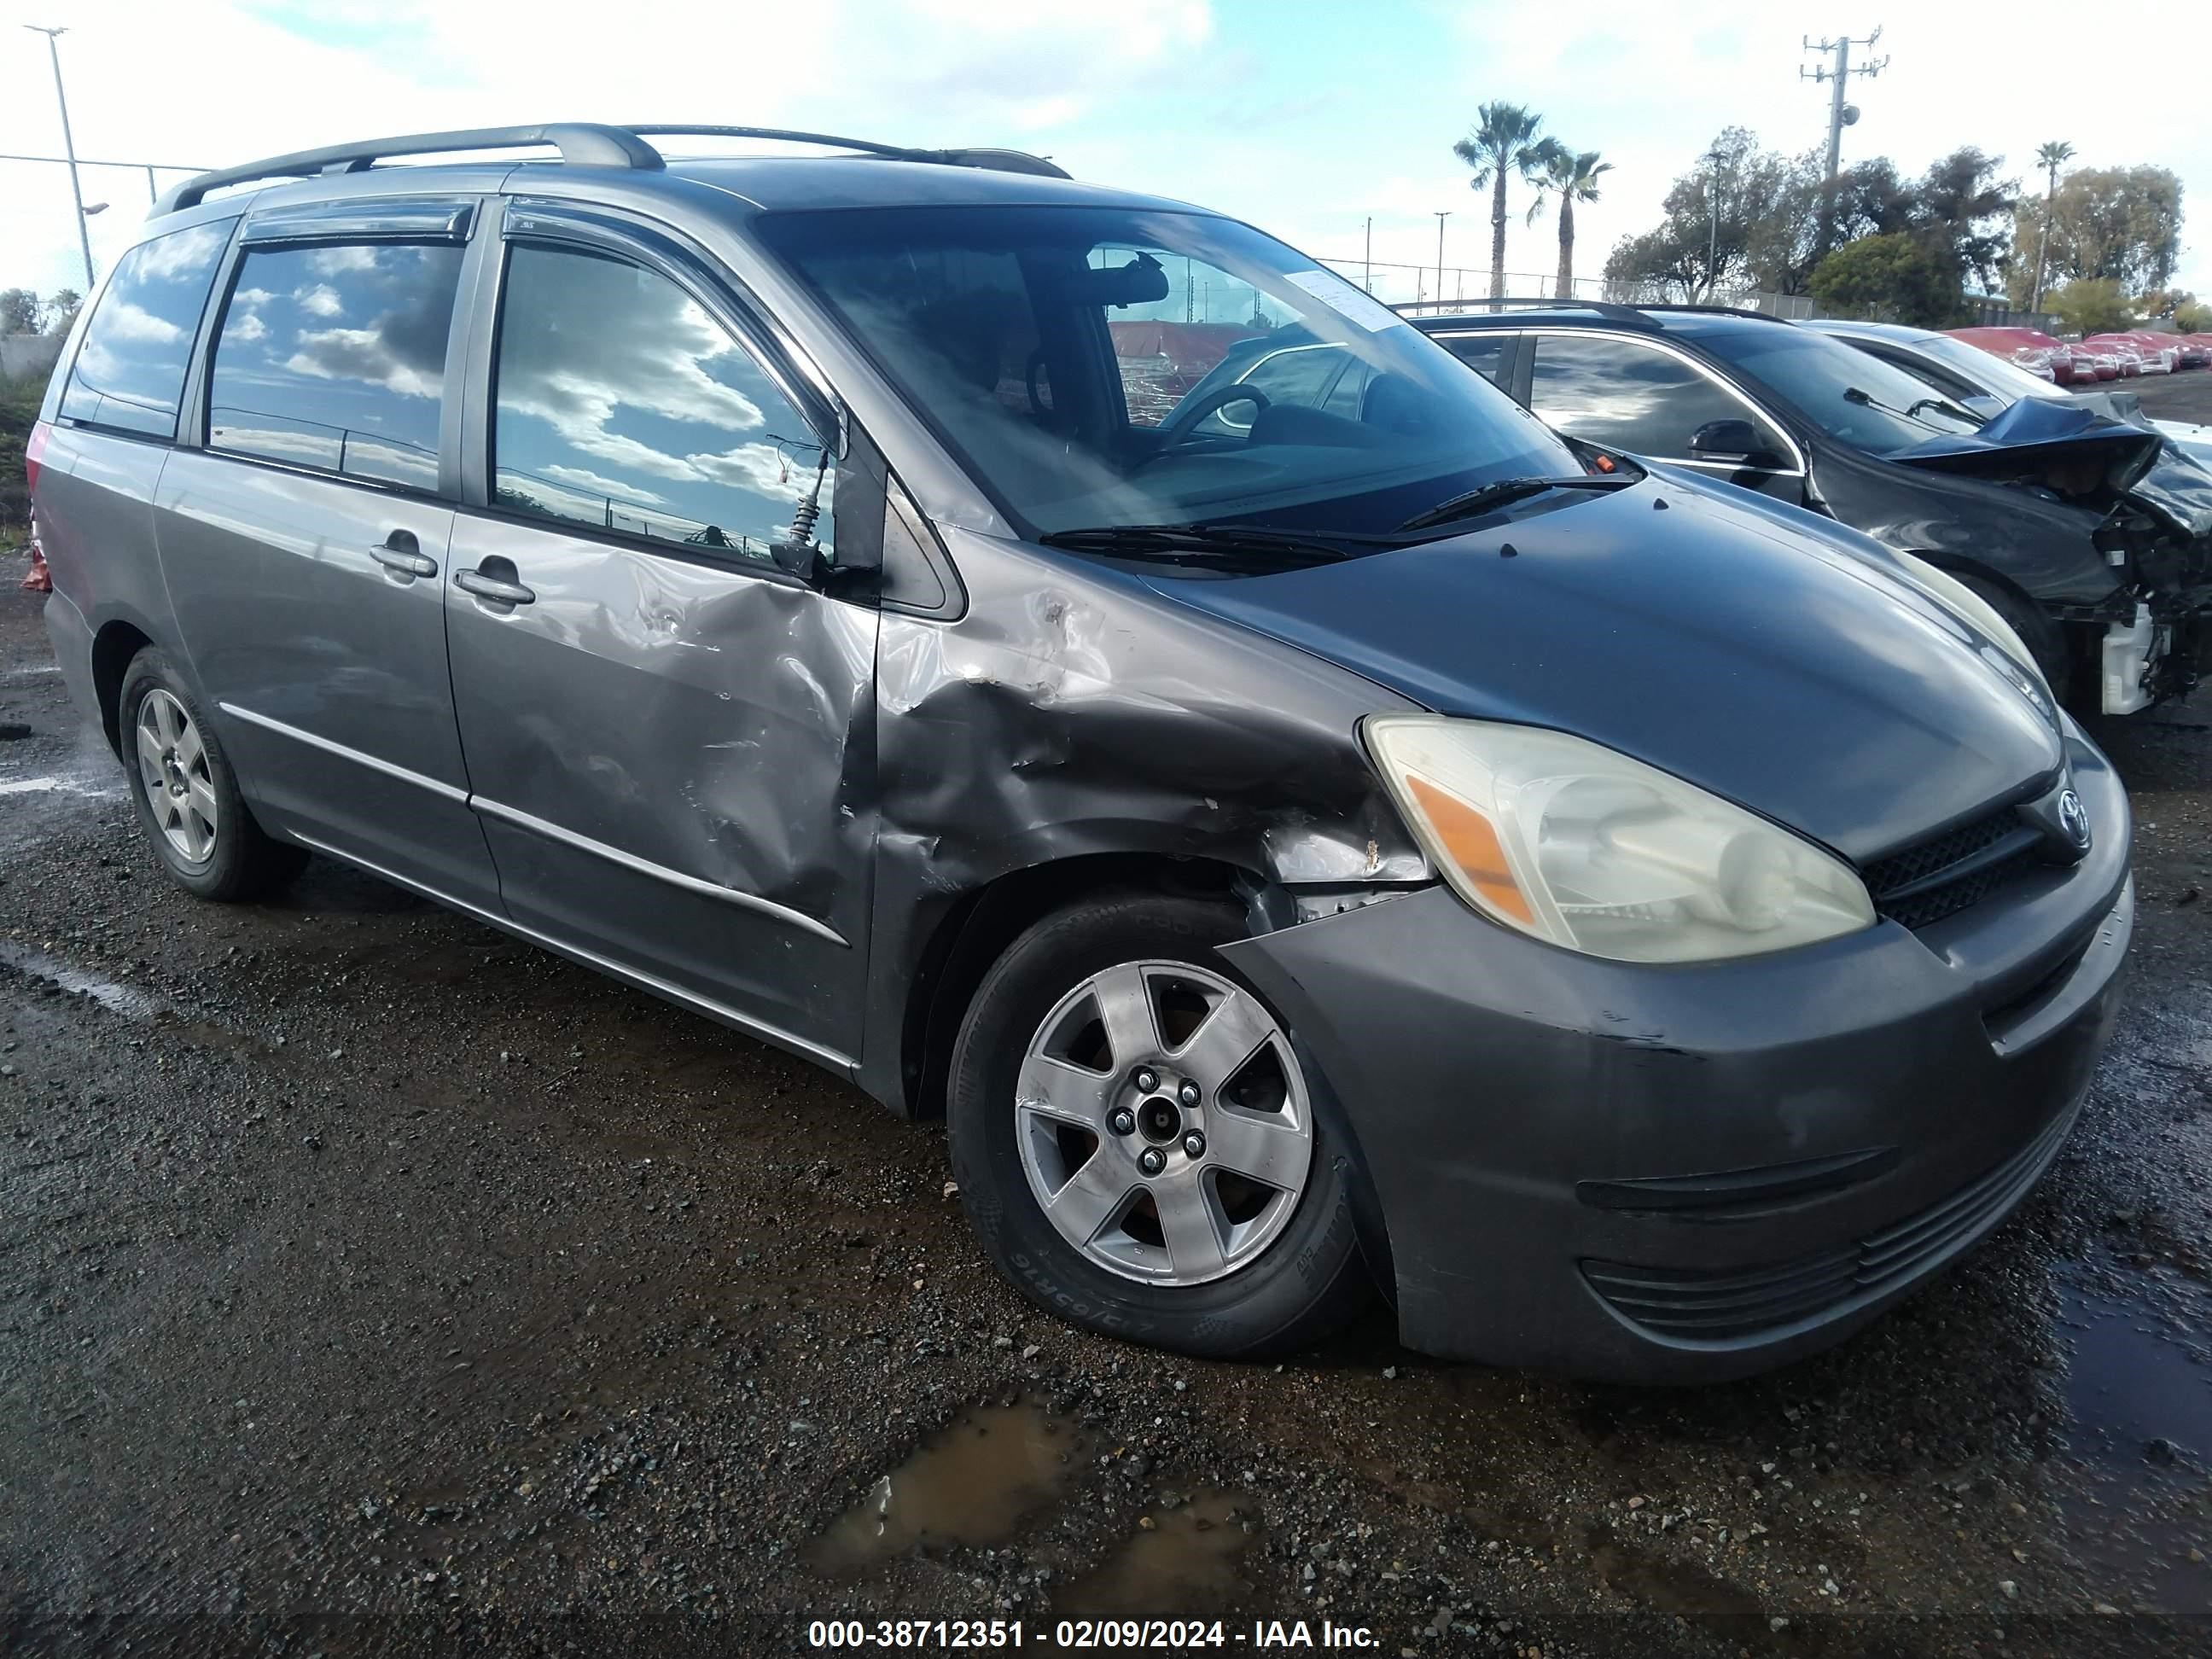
1569,842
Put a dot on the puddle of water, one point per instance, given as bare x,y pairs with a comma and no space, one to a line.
2140,1401
1184,1565
116,999
969,1483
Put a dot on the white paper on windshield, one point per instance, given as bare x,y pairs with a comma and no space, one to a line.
1361,309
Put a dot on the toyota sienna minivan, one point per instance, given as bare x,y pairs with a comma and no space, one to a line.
1644,928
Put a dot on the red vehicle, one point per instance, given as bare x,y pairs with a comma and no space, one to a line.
2201,346
2160,353
2136,357
2030,349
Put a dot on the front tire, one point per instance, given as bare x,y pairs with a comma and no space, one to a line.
186,794
1136,1138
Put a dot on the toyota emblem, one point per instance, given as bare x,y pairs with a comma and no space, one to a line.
2073,818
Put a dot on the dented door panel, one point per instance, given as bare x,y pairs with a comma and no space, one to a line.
673,760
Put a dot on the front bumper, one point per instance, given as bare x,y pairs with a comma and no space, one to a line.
1691,1173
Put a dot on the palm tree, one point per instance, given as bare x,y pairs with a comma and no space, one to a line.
2052,155
1503,143
1571,175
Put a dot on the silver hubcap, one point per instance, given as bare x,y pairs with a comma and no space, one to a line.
1162,1123
173,765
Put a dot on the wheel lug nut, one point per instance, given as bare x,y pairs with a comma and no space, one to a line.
1194,1144
1189,1094
1123,1122
1146,1079
1152,1160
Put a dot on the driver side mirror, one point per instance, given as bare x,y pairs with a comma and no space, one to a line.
1736,440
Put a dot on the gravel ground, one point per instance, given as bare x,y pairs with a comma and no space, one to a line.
370,1282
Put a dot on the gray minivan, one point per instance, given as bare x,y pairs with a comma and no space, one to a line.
1645,928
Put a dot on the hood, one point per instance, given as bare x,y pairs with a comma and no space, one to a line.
1759,654
2041,434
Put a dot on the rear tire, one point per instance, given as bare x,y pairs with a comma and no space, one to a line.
186,794
1244,1247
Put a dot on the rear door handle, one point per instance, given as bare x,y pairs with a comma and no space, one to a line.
494,580
398,553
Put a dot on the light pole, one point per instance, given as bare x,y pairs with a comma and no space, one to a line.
68,147
1441,217
1713,240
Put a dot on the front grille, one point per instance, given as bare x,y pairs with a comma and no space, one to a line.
1690,1304
1944,874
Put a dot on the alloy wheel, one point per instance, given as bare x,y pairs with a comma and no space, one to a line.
173,767
1163,1123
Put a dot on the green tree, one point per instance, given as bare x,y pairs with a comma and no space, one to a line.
2093,305
61,309
19,311
1893,279
1505,142
2193,316
2120,222
1572,176
1961,209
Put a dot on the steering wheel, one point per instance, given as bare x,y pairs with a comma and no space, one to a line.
1178,429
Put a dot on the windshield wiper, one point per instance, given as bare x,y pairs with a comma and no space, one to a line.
1855,395
1505,492
1195,544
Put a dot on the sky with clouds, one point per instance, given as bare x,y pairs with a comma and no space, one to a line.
1307,117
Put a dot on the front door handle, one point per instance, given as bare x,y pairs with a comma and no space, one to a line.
494,580
398,553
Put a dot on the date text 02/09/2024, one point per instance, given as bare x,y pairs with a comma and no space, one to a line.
954,1635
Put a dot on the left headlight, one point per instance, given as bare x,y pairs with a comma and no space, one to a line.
1566,840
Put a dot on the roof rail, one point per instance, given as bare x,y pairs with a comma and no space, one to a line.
581,143
1719,311
998,160
1439,308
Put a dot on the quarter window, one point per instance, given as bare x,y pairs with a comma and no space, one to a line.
334,357
1626,395
129,372
622,405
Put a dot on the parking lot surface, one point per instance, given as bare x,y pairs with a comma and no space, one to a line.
374,1282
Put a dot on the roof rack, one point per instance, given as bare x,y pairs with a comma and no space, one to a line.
581,143
1474,307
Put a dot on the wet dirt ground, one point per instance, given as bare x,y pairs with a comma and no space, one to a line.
370,1282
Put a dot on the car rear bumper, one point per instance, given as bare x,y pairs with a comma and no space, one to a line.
1691,1173
71,638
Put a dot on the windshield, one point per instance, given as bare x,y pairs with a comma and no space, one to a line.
1859,399
1095,366
1992,372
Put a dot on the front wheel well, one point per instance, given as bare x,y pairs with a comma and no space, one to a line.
112,648
976,933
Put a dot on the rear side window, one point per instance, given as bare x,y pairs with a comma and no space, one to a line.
1626,395
334,357
129,372
621,405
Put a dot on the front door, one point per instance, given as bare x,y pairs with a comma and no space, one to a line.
305,544
669,737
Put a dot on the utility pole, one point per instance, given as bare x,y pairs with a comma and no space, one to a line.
68,147
1441,217
1369,284
1840,114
